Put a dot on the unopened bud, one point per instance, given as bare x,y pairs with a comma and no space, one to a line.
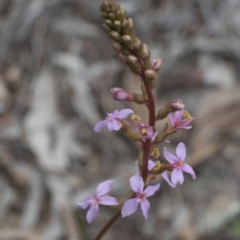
145,51
116,46
111,16
126,39
137,43
108,22
130,133
120,94
156,64
177,105
127,25
131,23
121,14
117,25
132,59
115,35
138,98
150,74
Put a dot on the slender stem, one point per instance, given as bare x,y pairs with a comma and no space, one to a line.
152,119
110,222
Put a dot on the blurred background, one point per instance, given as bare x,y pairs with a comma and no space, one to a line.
56,70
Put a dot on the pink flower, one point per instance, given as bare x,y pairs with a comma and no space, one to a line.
120,94
152,164
101,198
131,205
146,131
177,163
156,64
113,120
176,119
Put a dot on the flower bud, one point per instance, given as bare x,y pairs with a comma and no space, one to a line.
150,74
138,98
156,64
116,46
137,43
132,59
111,16
127,39
120,94
117,25
115,35
130,133
108,22
121,14
177,105
145,50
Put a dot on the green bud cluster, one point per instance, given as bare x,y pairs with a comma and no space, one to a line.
121,29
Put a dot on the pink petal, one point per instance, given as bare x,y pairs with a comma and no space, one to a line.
177,176
145,205
108,201
136,183
150,190
104,187
114,125
169,157
129,207
188,169
123,113
87,201
181,151
100,125
151,165
178,115
92,213
166,178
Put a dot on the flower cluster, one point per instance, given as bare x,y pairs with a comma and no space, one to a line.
136,56
177,166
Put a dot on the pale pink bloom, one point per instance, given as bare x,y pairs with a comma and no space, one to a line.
177,122
178,164
156,64
120,94
131,205
101,198
146,131
113,120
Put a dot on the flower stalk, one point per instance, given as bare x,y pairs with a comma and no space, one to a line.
136,55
